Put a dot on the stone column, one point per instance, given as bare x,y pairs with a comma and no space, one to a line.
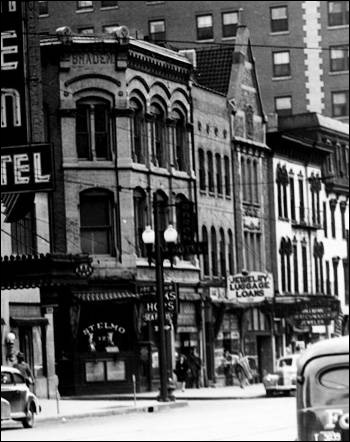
52,379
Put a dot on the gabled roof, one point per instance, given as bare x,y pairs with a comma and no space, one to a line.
214,65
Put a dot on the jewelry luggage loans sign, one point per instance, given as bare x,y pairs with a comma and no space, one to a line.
250,288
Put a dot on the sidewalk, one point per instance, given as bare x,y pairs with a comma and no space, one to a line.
68,409
116,404
215,393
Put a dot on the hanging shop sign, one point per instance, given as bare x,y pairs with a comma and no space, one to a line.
314,315
150,304
250,288
13,81
26,168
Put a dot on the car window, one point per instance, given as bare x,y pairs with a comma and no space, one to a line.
332,387
6,378
286,362
18,379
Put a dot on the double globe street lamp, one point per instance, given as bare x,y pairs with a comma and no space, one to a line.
153,237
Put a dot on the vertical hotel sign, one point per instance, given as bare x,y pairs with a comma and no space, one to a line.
25,167
13,107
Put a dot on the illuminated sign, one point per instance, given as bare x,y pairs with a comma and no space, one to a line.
26,168
13,80
253,287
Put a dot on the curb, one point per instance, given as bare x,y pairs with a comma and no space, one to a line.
112,412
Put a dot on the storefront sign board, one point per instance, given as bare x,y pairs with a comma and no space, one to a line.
250,288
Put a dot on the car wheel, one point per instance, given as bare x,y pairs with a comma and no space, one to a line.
269,393
28,422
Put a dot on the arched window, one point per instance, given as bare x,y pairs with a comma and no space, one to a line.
96,222
140,217
222,253
227,176
256,182
318,257
206,270
285,252
249,176
210,172
230,252
214,252
201,161
93,129
139,132
244,179
218,173
180,141
158,136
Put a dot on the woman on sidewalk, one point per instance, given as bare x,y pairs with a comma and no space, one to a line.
181,371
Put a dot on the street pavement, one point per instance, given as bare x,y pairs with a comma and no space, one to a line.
262,419
114,404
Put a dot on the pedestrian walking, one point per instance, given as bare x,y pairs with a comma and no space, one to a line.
243,371
181,371
195,364
228,367
24,368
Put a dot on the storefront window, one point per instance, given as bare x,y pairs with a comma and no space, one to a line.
116,371
95,371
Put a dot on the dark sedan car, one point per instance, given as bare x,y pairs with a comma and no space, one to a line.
18,402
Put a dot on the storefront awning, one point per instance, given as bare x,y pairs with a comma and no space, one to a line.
16,321
105,295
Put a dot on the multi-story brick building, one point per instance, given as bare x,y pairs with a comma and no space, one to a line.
25,221
311,199
301,47
233,206
119,116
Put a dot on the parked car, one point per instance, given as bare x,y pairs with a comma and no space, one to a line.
323,391
17,401
284,379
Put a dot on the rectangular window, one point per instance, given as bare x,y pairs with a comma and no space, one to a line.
335,273
346,280
301,201
328,279
23,234
325,224
84,5
43,8
82,125
305,269
339,58
343,227
333,221
229,24
340,103
205,27
86,31
296,270
157,30
109,4
281,64
292,198
108,29
279,19
283,105
338,13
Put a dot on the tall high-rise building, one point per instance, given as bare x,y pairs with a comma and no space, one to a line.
301,47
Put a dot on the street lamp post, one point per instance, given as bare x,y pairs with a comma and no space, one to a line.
151,237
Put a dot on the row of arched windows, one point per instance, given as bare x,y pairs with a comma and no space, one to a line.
159,138
219,261
156,138
214,173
